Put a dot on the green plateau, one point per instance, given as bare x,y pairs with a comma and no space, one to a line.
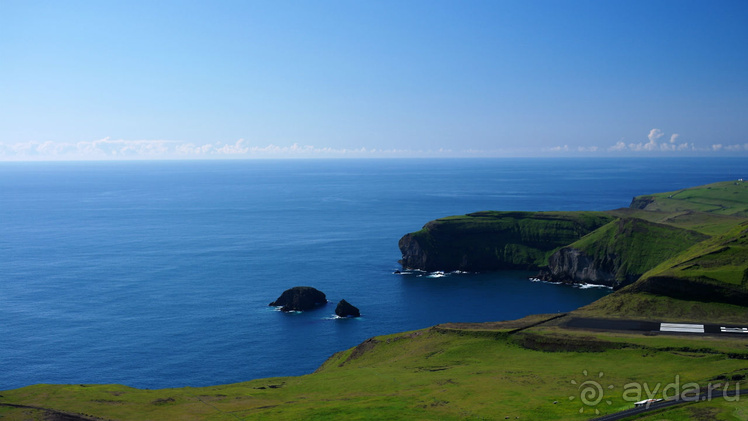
678,256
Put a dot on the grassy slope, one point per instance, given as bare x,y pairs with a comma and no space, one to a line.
705,223
707,281
502,240
447,373
721,258
719,264
723,198
635,245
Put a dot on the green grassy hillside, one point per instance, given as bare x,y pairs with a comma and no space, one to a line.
620,252
708,281
723,198
451,372
719,259
637,245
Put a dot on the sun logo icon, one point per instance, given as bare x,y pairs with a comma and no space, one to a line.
591,392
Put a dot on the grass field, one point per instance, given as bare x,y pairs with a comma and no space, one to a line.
723,198
450,372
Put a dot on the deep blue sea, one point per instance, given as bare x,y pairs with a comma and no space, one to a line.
159,274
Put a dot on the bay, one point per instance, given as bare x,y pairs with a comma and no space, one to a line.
158,274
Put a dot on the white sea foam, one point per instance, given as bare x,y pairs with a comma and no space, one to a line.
587,286
580,286
416,272
336,317
544,282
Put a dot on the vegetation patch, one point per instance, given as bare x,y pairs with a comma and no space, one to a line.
563,343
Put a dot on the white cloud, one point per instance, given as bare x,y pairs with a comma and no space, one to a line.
653,145
655,135
108,149
236,148
113,149
737,147
619,146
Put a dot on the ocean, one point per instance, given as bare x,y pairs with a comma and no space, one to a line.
158,274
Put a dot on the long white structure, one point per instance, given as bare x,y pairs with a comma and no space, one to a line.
681,327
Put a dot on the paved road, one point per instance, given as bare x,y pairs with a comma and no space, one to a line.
715,394
641,326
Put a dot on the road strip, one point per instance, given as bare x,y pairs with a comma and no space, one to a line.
681,327
645,326
733,329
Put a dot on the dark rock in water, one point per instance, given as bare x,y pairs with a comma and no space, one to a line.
345,309
300,299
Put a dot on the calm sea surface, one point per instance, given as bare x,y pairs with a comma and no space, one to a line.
158,274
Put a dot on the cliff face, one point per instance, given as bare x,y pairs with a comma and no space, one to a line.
485,241
570,265
413,255
641,202
589,247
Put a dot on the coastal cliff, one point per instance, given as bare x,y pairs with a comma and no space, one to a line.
613,248
484,241
570,265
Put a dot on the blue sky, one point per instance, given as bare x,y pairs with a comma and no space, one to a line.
217,79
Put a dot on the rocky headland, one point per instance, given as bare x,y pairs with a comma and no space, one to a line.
613,248
485,241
